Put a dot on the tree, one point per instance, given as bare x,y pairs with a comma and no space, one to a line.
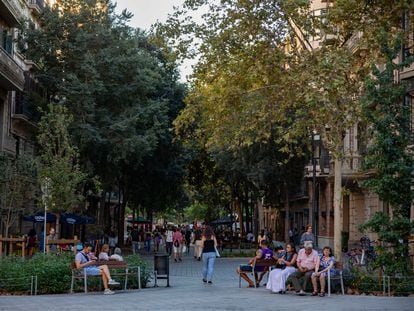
121,87
58,161
17,189
253,81
390,159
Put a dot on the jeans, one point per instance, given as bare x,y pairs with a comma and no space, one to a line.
168,247
147,244
208,265
135,247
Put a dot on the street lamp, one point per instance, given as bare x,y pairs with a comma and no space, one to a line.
45,196
315,157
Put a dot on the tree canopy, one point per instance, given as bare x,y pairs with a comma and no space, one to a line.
121,89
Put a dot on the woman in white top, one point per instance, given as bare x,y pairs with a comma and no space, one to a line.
103,255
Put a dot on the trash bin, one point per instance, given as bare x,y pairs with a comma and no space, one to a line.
162,268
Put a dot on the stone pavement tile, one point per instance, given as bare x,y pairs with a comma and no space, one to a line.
188,292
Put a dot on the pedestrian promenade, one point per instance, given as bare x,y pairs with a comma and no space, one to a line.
188,292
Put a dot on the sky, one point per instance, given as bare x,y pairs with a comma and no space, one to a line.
146,13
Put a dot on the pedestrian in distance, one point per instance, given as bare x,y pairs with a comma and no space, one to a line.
50,238
178,245
135,239
169,241
209,253
197,243
31,242
307,236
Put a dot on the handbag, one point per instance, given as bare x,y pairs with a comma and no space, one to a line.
217,252
184,248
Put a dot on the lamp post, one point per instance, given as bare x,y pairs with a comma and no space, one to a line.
45,196
315,156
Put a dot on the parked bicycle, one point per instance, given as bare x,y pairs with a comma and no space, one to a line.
364,256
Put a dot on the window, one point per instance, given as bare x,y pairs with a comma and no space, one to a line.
409,101
408,26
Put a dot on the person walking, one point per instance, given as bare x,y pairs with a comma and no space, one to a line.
168,241
178,244
135,239
208,251
197,243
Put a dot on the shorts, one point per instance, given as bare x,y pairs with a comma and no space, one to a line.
92,270
177,249
248,268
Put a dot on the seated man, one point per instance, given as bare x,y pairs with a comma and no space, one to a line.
306,262
117,255
263,253
82,261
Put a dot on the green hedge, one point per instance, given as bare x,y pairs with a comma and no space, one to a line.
53,274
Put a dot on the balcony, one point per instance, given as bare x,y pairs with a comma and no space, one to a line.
354,43
11,75
25,117
37,6
352,165
11,11
25,114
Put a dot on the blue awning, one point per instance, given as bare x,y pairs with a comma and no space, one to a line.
40,217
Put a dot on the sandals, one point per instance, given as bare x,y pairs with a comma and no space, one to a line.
322,294
314,294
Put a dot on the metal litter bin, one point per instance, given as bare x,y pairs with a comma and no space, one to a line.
162,268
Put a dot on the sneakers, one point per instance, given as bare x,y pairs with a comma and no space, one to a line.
113,282
301,293
108,292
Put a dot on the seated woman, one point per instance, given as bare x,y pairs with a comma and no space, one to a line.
286,266
82,261
103,255
324,263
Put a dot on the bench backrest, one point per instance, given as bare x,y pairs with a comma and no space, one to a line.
265,262
110,263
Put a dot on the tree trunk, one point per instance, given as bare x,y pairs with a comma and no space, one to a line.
121,216
240,213
57,229
338,209
287,213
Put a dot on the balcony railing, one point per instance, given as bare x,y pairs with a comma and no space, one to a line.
352,164
354,43
11,11
11,75
37,5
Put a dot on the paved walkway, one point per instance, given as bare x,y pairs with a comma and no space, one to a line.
188,292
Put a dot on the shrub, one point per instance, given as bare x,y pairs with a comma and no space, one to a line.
53,274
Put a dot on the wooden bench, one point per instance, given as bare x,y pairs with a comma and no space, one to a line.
230,244
263,264
117,268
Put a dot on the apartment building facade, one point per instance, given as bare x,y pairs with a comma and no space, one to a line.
17,116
